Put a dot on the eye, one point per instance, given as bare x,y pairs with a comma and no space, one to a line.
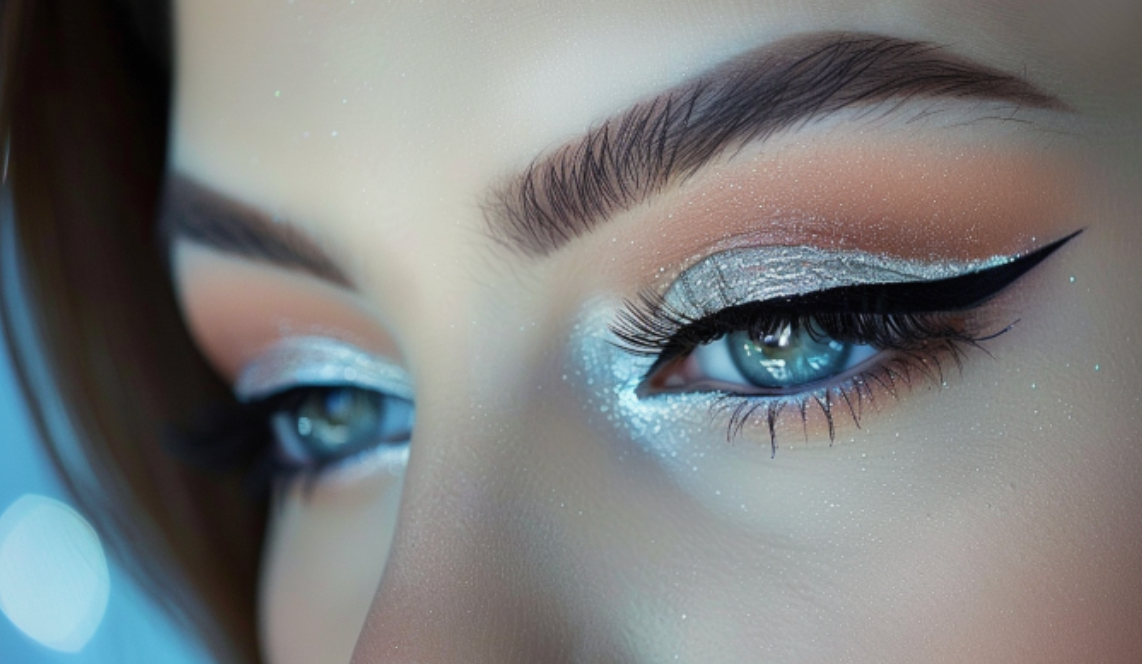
319,427
327,405
787,360
738,325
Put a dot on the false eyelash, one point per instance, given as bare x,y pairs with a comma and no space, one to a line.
903,315
650,326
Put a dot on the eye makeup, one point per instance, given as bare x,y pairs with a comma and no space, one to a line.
319,361
765,273
912,316
318,407
723,294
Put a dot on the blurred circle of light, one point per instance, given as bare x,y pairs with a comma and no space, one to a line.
54,582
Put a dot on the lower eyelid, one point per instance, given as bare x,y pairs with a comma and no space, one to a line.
823,411
826,411
390,461
384,458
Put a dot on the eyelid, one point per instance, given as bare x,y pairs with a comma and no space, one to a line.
758,274
319,361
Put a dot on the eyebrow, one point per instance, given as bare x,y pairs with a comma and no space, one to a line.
629,157
660,142
193,212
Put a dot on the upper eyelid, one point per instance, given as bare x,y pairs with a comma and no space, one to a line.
653,324
771,273
313,361
964,282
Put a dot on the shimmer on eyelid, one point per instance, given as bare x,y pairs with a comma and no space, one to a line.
762,273
319,361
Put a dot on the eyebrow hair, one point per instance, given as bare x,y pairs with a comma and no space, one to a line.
615,166
191,211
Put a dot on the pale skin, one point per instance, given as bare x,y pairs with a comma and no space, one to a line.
991,520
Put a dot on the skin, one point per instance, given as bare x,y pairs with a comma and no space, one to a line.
992,520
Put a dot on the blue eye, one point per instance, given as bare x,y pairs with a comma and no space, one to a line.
789,360
320,426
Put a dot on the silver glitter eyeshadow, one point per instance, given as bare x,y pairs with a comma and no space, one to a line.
761,273
319,361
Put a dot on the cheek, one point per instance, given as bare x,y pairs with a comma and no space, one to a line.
323,560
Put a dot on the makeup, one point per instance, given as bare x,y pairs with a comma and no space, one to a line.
910,315
765,273
319,361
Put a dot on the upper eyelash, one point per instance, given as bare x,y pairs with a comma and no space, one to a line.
889,315
650,326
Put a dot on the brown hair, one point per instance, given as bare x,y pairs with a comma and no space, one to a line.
89,313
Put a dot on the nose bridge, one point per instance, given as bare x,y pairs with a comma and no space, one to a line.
465,579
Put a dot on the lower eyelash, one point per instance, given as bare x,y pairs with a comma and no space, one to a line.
889,375
230,437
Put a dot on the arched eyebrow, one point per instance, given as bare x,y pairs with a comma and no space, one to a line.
660,142
570,191
193,212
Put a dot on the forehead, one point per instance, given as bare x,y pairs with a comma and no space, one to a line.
353,110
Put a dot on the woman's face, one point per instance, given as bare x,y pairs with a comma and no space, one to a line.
705,357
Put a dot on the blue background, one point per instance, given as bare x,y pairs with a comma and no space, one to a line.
133,629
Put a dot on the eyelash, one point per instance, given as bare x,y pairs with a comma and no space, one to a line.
239,436
921,342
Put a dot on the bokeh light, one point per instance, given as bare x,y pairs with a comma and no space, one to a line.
54,582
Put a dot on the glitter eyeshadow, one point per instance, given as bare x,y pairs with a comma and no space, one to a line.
757,274
675,428
319,361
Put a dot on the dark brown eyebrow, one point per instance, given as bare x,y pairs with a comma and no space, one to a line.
191,211
568,192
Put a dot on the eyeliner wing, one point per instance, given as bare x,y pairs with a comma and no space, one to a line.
957,293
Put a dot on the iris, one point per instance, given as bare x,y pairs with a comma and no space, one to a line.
330,420
326,424
789,357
